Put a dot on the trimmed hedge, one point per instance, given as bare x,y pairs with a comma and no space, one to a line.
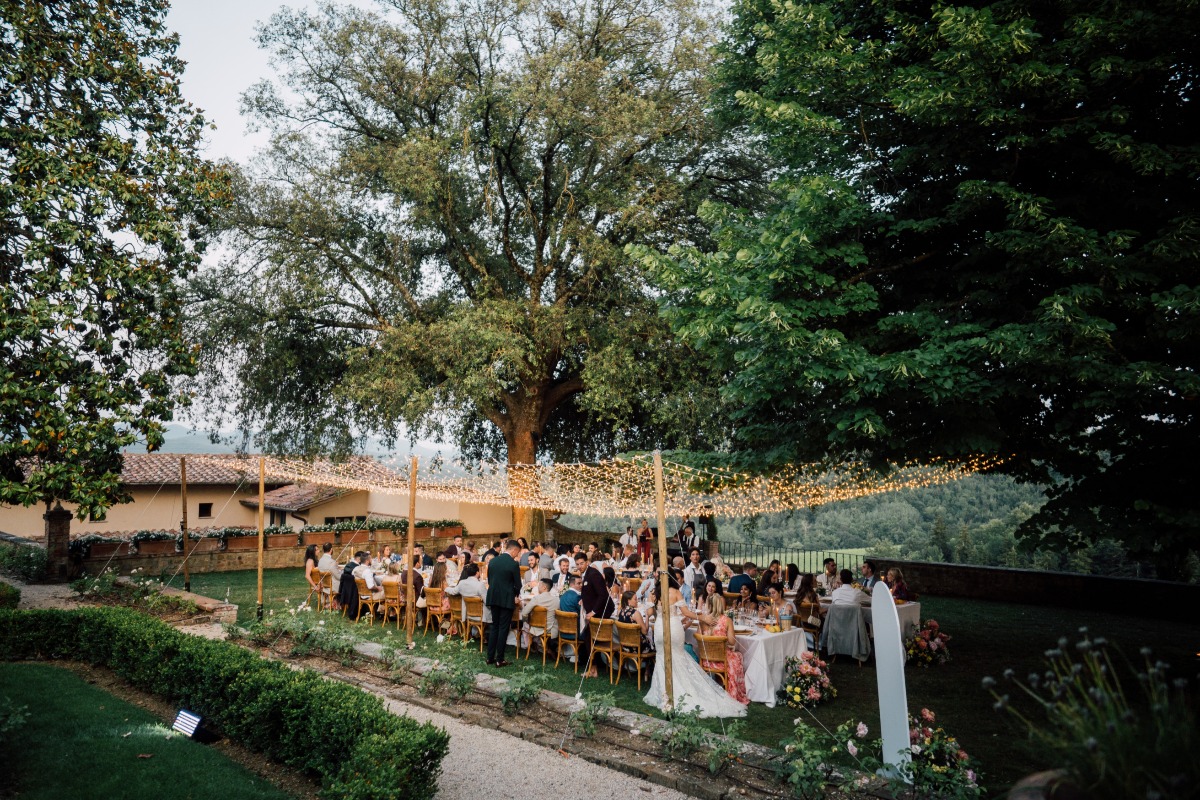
323,727
10,596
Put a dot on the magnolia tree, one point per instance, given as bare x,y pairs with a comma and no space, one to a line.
102,209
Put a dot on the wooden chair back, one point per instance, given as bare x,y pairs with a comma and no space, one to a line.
433,608
392,601
365,601
633,584
732,598
711,650
568,634
629,637
473,619
537,619
602,641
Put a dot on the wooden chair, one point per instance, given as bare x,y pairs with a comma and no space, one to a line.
629,638
602,642
524,572
324,591
473,620
568,634
711,650
433,609
365,601
732,598
392,601
537,619
456,615
803,612
633,584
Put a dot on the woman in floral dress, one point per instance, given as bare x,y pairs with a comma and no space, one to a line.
720,625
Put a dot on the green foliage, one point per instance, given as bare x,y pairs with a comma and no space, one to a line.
294,716
1114,743
685,734
140,592
451,673
27,562
453,259
589,712
937,766
307,633
102,213
522,688
12,717
10,596
984,242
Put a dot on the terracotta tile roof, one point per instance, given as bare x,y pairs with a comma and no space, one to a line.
299,496
155,469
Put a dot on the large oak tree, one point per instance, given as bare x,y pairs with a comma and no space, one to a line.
436,235
103,202
987,242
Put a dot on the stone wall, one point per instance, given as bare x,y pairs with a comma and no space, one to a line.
1144,598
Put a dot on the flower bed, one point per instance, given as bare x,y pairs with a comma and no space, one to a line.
928,645
807,682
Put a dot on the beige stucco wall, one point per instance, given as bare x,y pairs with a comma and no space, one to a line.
480,520
349,505
152,508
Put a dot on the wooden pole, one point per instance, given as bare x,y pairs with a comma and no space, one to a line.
410,602
183,529
262,503
664,597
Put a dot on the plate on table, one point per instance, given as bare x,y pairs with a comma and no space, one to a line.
742,631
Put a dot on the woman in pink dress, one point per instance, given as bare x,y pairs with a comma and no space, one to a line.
720,625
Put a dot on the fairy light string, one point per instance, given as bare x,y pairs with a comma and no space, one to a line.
621,486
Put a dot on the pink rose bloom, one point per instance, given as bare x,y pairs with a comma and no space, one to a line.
851,748
861,730
814,693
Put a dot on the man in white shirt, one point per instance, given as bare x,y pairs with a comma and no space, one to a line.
828,580
364,571
629,538
847,594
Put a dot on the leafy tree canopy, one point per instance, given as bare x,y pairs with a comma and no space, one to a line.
986,242
436,234
102,202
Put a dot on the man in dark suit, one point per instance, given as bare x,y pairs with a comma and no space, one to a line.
595,601
504,584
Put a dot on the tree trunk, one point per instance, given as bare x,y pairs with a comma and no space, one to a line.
522,449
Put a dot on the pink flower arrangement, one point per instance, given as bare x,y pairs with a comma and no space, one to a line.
807,681
928,645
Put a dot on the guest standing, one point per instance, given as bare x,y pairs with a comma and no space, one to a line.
504,584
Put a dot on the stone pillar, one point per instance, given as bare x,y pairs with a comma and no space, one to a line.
712,549
58,537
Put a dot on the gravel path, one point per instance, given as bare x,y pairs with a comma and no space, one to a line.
501,767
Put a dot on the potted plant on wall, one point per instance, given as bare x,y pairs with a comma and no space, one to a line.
352,532
205,540
155,543
318,535
98,545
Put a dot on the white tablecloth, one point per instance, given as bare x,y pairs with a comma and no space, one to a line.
763,657
909,613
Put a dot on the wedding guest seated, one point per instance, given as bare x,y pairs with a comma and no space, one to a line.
570,599
715,623
385,554
895,582
829,580
845,593
438,581
329,565
807,593
771,575
749,598
469,585
748,577
542,598
632,567
711,587
791,578
367,573
778,605
533,574
561,579
630,613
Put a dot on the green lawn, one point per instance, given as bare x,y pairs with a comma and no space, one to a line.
81,741
988,637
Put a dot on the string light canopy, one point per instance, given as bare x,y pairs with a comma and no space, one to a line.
622,487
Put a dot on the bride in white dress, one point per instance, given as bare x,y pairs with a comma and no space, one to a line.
691,685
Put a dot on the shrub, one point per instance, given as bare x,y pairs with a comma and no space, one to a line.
10,596
588,713
293,716
521,689
26,561
1114,740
